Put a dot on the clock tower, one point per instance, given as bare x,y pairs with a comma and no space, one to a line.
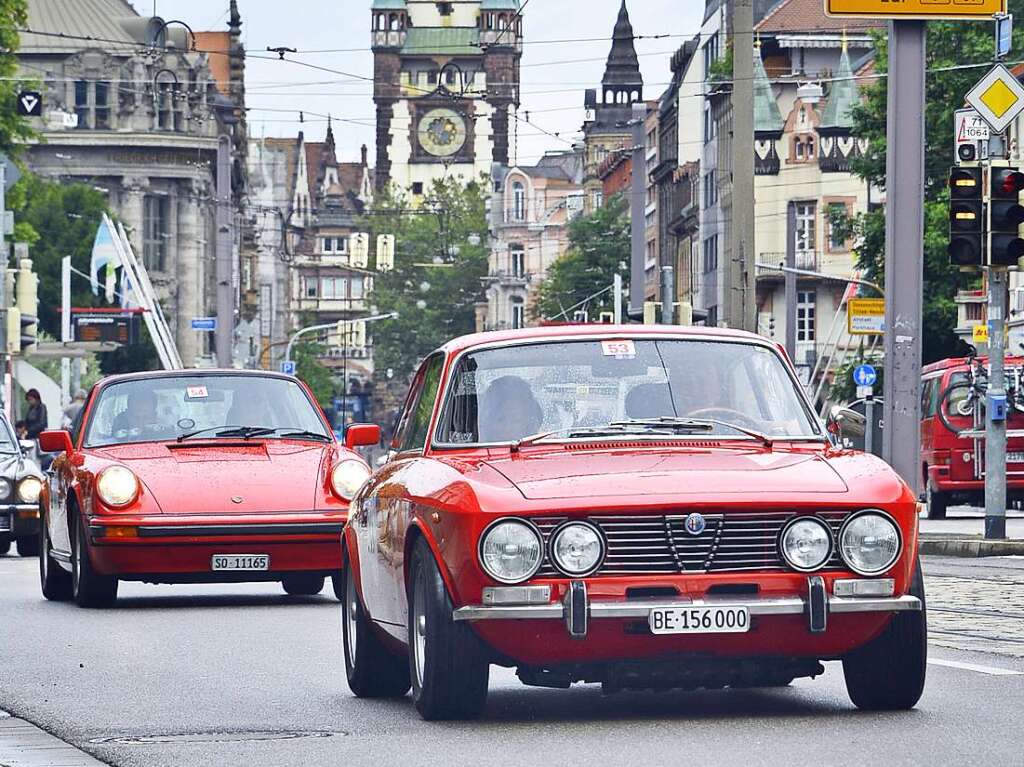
446,88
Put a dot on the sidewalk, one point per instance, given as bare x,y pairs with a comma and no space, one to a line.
962,534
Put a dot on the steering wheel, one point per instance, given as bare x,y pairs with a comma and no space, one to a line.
728,415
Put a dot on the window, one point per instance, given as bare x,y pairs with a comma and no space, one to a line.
432,77
710,189
805,235
155,220
518,313
518,202
102,105
805,301
710,54
327,245
517,256
709,124
412,432
449,77
310,287
445,9
334,288
972,312
357,287
82,103
417,188
835,238
597,199
711,253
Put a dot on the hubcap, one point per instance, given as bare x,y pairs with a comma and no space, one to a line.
419,644
351,606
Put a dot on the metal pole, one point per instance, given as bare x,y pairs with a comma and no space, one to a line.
617,297
668,289
995,430
638,192
790,277
869,428
65,329
743,276
904,248
225,294
5,398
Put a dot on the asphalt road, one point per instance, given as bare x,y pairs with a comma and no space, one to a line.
242,675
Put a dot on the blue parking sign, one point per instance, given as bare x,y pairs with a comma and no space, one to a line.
865,375
288,367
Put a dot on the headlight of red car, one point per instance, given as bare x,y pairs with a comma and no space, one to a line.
117,486
347,477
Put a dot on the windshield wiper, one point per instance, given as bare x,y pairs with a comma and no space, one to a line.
246,432
695,423
300,433
614,428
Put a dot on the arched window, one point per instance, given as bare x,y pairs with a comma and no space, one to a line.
518,201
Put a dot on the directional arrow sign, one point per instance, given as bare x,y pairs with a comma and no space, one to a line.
998,98
30,104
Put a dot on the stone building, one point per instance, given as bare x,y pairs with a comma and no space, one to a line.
446,88
135,117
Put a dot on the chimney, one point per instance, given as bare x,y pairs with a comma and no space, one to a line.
364,155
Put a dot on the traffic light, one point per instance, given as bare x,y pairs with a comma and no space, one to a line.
1006,216
360,246
13,330
385,252
28,305
966,218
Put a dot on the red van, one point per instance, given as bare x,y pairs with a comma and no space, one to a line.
953,467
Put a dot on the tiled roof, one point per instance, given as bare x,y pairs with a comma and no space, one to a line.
449,41
767,117
842,97
808,16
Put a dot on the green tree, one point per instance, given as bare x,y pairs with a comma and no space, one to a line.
311,370
14,129
440,263
598,243
951,48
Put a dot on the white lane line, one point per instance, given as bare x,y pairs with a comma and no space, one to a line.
990,670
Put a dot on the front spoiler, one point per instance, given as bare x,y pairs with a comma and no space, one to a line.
577,609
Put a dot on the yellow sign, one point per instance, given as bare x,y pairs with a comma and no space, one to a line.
865,316
979,333
998,97
916,9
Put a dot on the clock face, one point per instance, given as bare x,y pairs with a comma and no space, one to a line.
442,132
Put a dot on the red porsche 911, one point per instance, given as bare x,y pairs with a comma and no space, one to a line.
196,477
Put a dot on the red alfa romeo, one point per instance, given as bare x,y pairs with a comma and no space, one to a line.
196,477
642,507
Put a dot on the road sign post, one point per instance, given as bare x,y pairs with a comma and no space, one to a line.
995,421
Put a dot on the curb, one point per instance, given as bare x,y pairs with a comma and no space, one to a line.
952,545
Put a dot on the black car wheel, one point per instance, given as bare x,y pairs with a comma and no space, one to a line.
90,588
447,664
28,546
5,544
936,502
54,579
303,584
338,585
888,673
371,669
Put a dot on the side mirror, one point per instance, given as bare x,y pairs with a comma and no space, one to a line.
55,441
362,435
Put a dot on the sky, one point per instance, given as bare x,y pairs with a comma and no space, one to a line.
554,74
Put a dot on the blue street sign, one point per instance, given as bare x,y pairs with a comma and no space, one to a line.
1004,34
288,367
865,375
204,323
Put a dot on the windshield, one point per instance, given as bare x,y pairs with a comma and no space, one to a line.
8,444
505,394
168,407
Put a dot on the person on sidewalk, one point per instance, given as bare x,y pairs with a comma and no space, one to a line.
35,416
74,408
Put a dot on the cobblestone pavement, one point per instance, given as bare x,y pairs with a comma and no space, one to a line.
976,604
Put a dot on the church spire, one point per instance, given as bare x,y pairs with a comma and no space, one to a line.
767,117
843,96
622,72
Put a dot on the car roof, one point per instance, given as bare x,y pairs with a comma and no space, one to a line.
954,362
191,373
555,332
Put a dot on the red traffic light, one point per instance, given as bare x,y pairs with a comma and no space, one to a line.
1007,182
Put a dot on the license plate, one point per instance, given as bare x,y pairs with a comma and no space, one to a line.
240,562
1015,457
699,620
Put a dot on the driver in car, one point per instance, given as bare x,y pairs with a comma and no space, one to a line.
509,411
139,416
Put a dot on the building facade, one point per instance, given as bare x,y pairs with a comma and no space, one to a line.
137,118
446,88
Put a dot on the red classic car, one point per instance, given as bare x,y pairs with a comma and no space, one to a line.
196,476
644,507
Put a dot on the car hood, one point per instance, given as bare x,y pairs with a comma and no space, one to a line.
14,466
198,478
581,473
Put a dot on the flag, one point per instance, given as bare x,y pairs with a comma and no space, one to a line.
105,259
129,300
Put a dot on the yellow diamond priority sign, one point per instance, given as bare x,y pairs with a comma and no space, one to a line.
998,98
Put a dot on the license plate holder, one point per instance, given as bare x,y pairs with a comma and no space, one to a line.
1015,456
732,619
240,562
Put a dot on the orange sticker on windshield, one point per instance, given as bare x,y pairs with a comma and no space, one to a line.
196,392
620,349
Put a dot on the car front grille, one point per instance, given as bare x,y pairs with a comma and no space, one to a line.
730,542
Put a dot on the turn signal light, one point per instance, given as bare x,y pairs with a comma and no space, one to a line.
116,531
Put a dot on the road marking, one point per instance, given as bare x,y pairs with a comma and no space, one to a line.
990,670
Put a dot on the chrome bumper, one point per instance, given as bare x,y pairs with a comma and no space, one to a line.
577,609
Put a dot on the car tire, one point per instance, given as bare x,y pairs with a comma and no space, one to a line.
28,547
5,544
888,673
936,502
303,585
54,580
371,669
447,665
89,588
338,585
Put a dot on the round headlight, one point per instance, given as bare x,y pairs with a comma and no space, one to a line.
577,548
869,542
117,486
806,543
5,488
347,477
510,551
28,489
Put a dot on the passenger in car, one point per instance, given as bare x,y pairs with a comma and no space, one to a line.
509,411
